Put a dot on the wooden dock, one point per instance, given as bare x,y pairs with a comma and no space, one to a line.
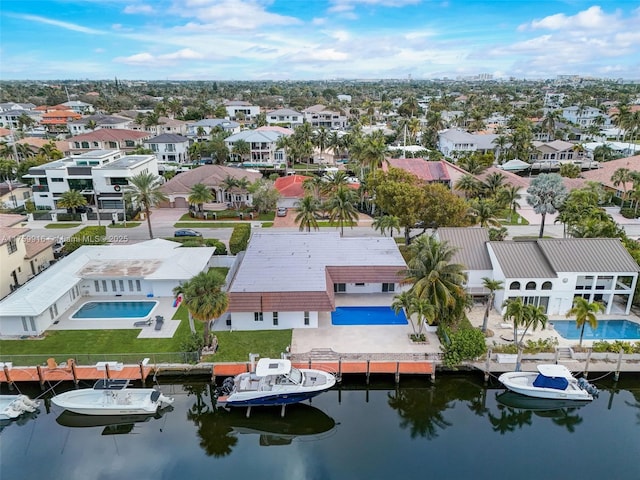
69,371
340,367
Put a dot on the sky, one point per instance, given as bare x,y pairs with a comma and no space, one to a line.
317,39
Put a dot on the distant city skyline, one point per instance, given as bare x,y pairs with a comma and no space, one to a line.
317,39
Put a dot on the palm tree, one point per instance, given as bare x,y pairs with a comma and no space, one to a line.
204,298
546,193
341,207
493,183
509,196
145,191
71,199
386,223
549,122
585,312
622,176
492,286
314,185
321,139
424,311
435,279
50,151
501,142
534,317
483,212
514,311
199,195
468,185
405,301
308,207
241,148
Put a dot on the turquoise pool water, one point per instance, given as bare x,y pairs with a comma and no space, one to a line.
606,330
132,309
367,316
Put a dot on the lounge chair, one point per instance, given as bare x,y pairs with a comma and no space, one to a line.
159,322
143,323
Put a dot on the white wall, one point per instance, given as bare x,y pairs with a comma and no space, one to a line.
245,321
163,288
366,288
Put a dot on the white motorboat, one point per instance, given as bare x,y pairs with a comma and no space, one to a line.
112,397
274,382
12,406
552,381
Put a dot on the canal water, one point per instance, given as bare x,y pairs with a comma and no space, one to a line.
453,429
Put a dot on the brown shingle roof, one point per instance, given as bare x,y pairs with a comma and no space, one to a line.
11,219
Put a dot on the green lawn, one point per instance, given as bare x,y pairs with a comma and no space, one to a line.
61,344
53,226
122,225
516,219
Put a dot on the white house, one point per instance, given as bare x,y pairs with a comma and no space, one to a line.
285,117
77,106
320,116
286,280
239,110
263,144
77,127
585,116
100,175
454,141
208,125
152,269
169,147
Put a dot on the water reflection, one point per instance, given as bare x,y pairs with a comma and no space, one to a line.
113,424
19,421
218,428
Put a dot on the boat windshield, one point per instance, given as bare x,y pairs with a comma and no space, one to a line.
295,375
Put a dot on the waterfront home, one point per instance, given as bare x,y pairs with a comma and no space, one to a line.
208,126
284,280
604,174
152,269
22,257
453,142
104,139
169,147
241,110
551,272
97,121
263,147
285,117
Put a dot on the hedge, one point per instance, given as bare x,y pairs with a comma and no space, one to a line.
221,248
239,238
94,235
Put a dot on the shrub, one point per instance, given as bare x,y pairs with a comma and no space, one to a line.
464,344
239,238
628,212
87,236
221,248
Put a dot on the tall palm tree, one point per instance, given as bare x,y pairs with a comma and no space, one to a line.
546,193
321,139
467,184
585,312
493,183
534,317
404,301
341,207
308,208
514,311
241,148
483,212
71,199
424,311
492,286
145,191
435,278
509,196
622,176
204,298
199,195
314,185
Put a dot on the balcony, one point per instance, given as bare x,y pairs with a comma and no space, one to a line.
39,188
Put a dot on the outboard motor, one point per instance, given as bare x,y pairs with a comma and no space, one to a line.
588,387
226,388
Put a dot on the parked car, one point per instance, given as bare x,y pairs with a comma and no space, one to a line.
81,209
282,211
187,232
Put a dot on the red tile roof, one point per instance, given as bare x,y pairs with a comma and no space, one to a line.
604,173
291,186
110,134
35,246
421,168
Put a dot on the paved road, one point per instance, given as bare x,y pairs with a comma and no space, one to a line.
163,221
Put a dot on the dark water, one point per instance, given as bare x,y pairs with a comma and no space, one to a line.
455,429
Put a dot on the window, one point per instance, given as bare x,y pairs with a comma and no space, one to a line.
388,287
129,143
56,179
104,286
275,318
359,284
131,285
258,316
96,285
339,287
530,286
113,145
12,246
85,144
121,284
514,286
546,286
138,285
306,318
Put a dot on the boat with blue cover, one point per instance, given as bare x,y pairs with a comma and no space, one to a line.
551,381
274,382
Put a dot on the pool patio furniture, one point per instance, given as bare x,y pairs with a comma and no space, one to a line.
159,322
143,323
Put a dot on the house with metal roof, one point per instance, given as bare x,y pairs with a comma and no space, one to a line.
285,279
548,272
552,272
263,147
286,117
152,268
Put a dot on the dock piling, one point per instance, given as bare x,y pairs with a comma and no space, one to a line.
397,373
106,370
586,364
74,373
368,362
487,367
8,377
40,377
616,375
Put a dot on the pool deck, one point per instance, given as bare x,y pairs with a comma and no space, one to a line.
164,308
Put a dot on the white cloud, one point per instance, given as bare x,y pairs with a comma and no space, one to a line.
140,8
65,25
145,58
591,19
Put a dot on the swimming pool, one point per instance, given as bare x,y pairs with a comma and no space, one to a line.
367,316
118,309
606,330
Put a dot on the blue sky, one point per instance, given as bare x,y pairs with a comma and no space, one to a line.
317,39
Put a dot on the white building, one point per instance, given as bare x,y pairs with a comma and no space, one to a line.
320,116
263,143
169,147
239,110
77,106
586,116
208,125
285,117
150,269
81,126
454,141
100,174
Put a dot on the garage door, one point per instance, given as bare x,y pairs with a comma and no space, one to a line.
181,202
